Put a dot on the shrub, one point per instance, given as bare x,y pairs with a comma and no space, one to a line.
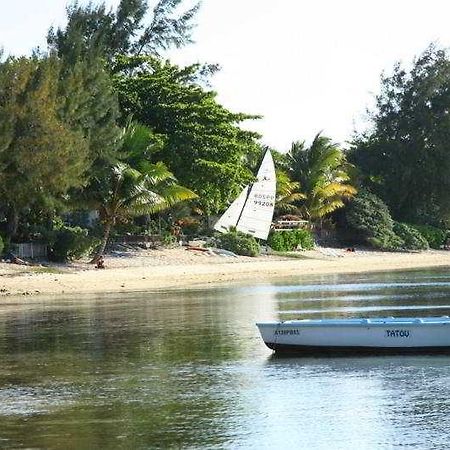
69,243
289,240
168,239
2,245
370,218
276,241
307,239
239,243
189,225
434,236
412,239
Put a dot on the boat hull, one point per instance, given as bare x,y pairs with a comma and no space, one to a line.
430,335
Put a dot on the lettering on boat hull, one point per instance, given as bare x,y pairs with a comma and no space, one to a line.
284,332
397,334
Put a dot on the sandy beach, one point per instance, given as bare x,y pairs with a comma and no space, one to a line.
179,268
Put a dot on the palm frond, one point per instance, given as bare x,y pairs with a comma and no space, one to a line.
155,173
321,169
174,193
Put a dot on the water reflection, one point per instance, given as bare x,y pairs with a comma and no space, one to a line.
188,369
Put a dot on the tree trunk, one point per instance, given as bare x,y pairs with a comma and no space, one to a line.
12,223
208,221
104,243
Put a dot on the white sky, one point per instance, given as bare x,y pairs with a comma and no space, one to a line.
306,66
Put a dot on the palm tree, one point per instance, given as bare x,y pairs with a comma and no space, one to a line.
288,194
322,171
135,186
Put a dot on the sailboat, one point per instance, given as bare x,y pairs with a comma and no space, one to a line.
252,211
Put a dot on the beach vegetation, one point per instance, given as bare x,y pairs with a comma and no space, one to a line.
411,237
190,226
100,122
288,195
435,237
404,157
41,155
122,192
322,172
239,243
204,144
290,240
370,220
70,243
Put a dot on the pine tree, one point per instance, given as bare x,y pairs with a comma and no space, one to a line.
123,31
41,156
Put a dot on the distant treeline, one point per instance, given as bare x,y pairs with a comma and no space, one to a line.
99,133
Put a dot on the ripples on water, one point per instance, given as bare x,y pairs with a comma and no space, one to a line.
188,370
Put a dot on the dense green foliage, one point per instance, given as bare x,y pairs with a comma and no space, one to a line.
204,145
411,237
239,243
2,245
322,173
101,122
289,240
371,221
91,108
135,186
435,237
405,158
41,155
288,194
60,143
69,243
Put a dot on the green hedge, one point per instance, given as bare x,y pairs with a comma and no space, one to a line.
2,245
289,240
239,243
435,236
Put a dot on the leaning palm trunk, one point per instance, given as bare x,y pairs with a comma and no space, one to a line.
101,250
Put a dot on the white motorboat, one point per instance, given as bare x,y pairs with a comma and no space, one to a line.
396,335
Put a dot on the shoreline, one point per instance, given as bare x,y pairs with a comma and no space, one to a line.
175,269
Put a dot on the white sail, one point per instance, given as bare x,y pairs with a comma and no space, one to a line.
257,214
266,171
231,216
252,211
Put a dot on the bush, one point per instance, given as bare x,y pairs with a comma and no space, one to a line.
289,240
276,241
412,239
69,243
2,245
189,226
239,243
371,220
434,236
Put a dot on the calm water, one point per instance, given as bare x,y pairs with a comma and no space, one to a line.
187,369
